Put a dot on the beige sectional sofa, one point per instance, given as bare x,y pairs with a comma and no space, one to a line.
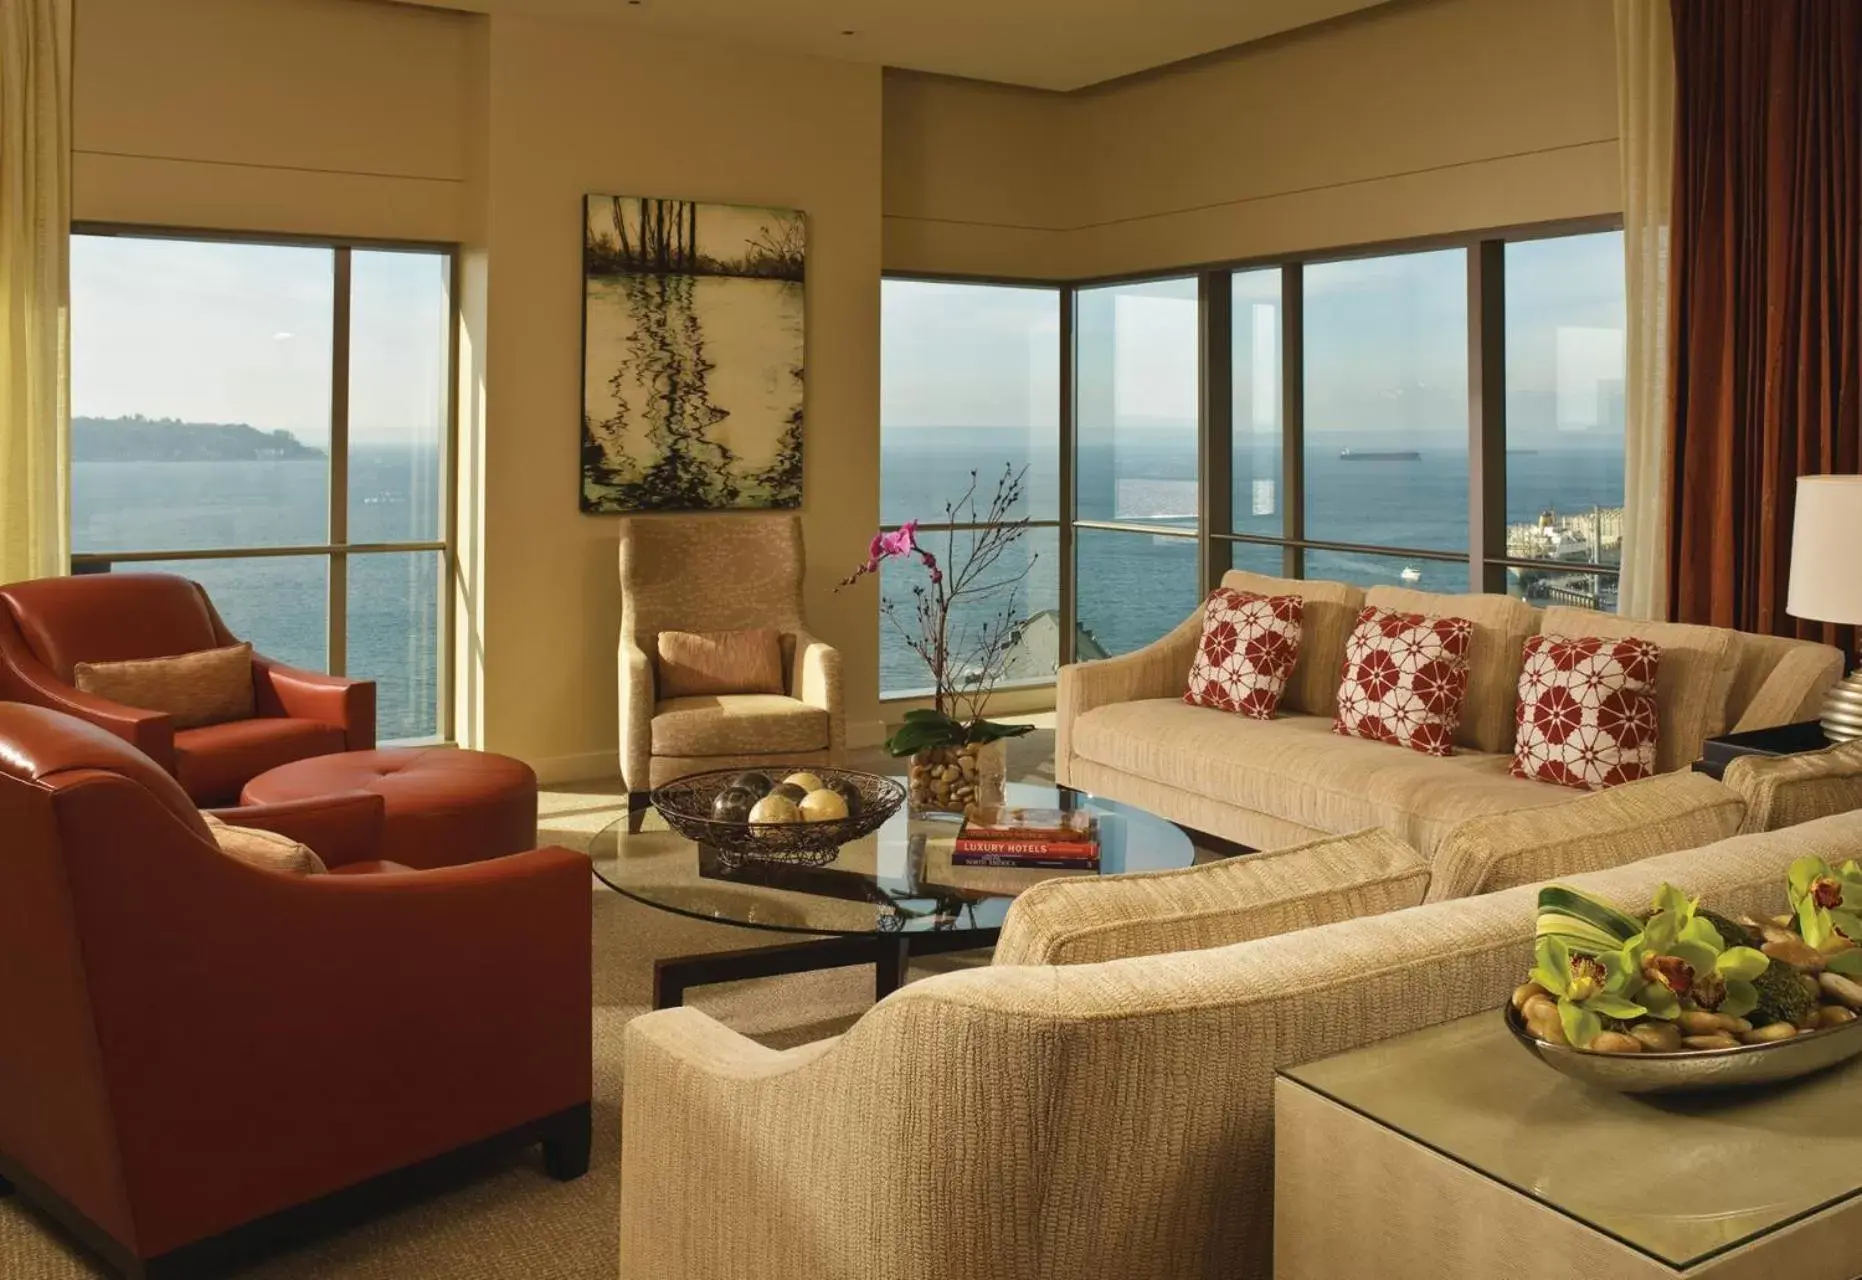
1125,732
1050,1120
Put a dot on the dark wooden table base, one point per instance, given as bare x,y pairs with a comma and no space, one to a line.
888,953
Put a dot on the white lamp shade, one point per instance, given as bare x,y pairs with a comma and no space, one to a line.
1826,550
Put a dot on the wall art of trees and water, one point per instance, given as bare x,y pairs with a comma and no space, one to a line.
692,348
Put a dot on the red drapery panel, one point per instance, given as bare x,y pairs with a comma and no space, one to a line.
1767,304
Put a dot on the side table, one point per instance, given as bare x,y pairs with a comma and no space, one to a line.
1450,1152
1780,740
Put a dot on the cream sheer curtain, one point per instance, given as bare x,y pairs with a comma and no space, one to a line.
1645,107
35,235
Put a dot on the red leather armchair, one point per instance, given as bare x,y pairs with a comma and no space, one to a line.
49,625
194,1046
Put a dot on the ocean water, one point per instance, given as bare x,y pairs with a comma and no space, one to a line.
1133,587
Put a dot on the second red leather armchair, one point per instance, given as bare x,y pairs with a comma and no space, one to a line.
49,625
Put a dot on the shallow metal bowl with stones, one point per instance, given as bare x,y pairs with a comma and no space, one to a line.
1696,1070
686,804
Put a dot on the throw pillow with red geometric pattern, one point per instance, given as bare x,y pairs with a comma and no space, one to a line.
1404,679
1586,712
1249,645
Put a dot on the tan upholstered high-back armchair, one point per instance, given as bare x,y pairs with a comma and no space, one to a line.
720,573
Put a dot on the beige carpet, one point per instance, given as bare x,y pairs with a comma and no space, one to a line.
514,1223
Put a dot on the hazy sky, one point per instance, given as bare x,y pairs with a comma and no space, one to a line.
242,333
1386,345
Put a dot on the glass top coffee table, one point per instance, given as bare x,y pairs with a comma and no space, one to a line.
883,899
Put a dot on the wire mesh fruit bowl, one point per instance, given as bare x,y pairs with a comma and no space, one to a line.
800,815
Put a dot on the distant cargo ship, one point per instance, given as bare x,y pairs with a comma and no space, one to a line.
1379,455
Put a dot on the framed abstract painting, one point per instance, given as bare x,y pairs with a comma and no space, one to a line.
692,350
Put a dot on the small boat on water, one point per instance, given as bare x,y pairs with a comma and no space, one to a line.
1379,455
1411,573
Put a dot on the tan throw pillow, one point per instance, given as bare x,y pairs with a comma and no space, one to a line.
700,663
1664,814
266,849
1782,791
212,686
1085,920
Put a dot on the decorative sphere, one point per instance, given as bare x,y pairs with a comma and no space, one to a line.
805,780
757,784
775,809
732,805
788,791
822,805
849,793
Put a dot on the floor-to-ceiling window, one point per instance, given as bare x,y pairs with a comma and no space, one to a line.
1447,416
1136,497
970,399
1565,370
273,420
1386,420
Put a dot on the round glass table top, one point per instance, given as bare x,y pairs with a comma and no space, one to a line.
899,879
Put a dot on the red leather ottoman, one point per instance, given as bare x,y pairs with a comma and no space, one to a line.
444,806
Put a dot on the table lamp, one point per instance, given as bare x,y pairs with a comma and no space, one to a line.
1826,580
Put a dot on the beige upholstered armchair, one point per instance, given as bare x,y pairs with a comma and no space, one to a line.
720,573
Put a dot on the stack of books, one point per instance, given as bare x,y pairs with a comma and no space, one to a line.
1015,837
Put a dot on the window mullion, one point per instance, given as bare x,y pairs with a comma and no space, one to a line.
1486,414
1215,426
1069,620
338,569
1293,416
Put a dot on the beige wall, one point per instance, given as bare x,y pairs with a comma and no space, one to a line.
1405,120
580,109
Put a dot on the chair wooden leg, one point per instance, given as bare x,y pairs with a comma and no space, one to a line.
565,1147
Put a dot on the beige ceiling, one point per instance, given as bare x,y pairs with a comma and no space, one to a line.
1046,44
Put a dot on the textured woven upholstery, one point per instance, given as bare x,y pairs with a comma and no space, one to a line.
710,573
1298,770
1080,1122
1122,731
1782,791
1502,626
736,724
1084,921
1779,680
1641,819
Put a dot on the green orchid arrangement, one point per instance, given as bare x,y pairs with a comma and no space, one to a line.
1824,901
1588,988
1681,955
1682,978
1599,963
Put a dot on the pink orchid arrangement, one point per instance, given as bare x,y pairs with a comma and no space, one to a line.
901,543
964,618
